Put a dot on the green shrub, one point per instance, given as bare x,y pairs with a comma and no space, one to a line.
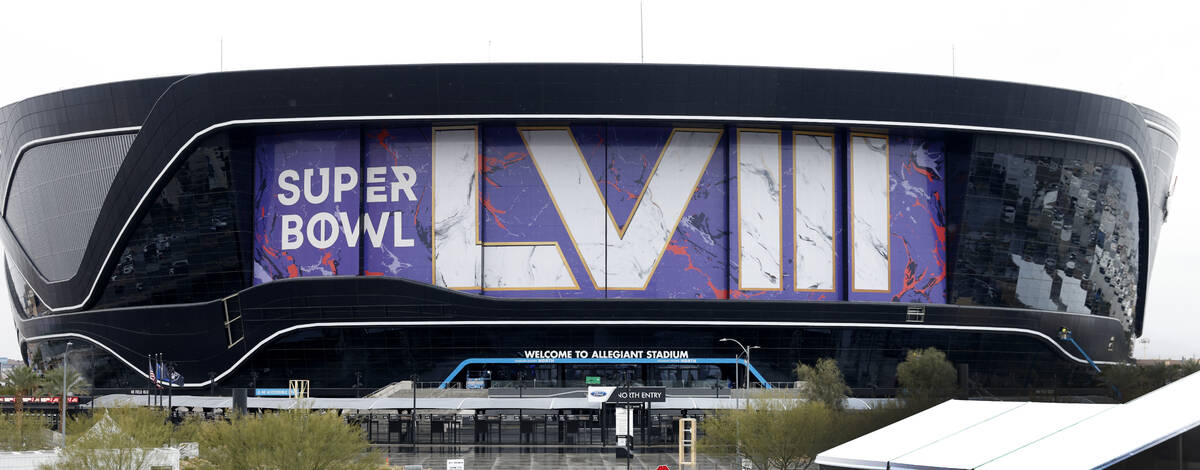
1134,380
853,424
777,431
115,438
30,433
926,378
823,383
298,439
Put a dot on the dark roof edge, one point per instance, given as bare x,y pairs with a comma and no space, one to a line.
1151,114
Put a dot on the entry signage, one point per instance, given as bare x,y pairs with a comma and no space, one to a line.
591,380
624,422
272,392
639,395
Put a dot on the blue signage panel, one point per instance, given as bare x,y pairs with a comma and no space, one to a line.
272,392
522,360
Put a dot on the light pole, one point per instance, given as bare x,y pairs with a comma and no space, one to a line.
748,366
62,422
745,350
737,378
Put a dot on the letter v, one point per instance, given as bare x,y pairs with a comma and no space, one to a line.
618,258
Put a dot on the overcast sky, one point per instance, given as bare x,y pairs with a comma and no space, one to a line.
1144,52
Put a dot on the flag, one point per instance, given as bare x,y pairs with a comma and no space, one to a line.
159,373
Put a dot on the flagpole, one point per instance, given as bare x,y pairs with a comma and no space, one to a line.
149,377
159,377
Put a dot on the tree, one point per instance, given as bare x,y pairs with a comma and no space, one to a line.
926,377
823,383
779,432
1134,380
21,382
1188,367
294,439
118,438
31,434
73,384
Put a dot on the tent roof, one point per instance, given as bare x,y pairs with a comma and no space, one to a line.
1014,435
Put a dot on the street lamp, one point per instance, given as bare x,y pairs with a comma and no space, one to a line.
746,351
62,422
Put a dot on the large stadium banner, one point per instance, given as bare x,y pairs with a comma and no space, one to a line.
307,205
898,234
597,211
398,203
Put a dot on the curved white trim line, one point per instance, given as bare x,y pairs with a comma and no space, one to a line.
1137,160
290,329
1163,129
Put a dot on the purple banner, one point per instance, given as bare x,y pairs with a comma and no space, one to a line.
397,202
307,200
597,211
692,264
917,227
517,209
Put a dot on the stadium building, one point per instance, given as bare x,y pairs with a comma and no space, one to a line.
560,225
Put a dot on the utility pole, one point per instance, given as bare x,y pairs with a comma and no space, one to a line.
745,350
413,423
158,380
737,379
62,422
170,389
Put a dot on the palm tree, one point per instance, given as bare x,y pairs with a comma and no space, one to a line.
74,384
21,382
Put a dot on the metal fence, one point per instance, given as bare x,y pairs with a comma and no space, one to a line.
532,431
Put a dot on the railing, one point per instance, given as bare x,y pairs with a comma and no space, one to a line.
531,430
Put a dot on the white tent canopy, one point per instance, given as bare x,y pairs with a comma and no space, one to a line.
1014,435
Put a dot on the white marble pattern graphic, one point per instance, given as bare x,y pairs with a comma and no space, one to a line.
869,187
525,266
760,210
456,255
616,259
459,259
813,193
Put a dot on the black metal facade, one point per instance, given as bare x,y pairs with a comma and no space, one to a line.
134,294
